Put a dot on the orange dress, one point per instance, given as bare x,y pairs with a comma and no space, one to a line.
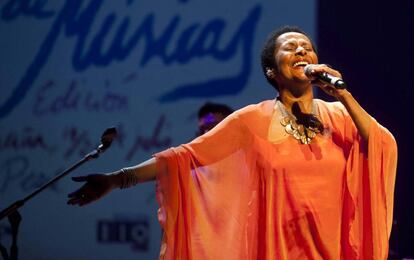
238,193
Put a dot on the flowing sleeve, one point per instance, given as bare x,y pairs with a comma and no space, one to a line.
190,189
369,195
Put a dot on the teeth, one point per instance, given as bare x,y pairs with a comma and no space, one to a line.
300,63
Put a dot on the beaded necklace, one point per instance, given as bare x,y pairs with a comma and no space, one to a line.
300,132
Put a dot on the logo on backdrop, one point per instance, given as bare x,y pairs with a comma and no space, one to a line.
133,230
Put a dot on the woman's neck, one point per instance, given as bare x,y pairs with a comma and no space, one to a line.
304,100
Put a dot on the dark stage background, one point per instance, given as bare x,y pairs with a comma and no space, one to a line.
372,42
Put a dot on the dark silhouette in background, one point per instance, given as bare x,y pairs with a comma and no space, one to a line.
210,114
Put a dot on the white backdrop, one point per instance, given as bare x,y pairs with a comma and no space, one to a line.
70,69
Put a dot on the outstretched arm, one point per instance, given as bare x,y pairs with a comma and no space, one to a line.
231,134
98,185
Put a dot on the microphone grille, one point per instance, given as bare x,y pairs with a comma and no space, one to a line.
308,70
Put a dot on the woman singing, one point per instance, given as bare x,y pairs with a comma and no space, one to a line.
292,177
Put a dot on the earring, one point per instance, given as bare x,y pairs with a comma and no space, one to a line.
269,73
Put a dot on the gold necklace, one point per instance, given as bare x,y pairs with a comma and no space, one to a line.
300,132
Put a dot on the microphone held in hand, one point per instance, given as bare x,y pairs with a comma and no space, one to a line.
324,77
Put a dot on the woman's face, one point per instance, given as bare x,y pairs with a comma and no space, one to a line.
292,53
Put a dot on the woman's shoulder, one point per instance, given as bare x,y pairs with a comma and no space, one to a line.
263,108
256,117
331,107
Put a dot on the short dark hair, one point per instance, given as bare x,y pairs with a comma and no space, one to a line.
210,107
268,51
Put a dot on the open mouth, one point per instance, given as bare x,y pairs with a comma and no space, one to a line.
300,64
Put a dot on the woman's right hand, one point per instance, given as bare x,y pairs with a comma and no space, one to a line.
96,186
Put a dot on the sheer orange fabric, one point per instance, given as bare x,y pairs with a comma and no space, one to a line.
234,193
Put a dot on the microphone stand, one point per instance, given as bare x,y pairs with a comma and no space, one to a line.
11,211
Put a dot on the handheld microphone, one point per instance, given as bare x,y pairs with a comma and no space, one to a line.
325,77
